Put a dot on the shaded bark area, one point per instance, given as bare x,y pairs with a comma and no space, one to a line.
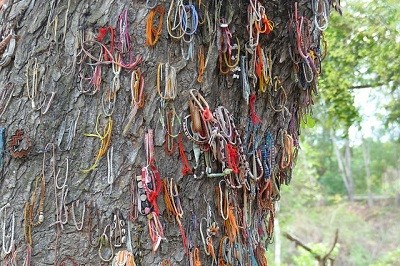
54,148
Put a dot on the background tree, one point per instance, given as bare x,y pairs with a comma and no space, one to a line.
361,55
363,50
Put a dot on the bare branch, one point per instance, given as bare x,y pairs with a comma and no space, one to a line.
324,258
367,86
301,244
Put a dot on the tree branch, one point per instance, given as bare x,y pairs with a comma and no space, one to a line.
321,259
301,244
367,86
324,258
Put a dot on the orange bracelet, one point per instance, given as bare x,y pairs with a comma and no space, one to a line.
166,262
201,64
153,33
168,200
186,170
231,227
196,257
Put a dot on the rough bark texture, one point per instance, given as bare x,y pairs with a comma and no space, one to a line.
34,24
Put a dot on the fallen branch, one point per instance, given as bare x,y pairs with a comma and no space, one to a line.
322,260
327,256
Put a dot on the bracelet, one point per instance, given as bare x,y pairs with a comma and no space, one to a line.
201,64
222,116
100,37
64,261
202,105
177,8
227,59
7,49
76,203
167,73
231,226
70,136
223,200
189,30
105,141
118,231
153,33
188,131
133,201
186,170
225,252
143,206
6,93
3,213
170,114
124,37
137,102
19,144
105,240
155,230
53,160
123,258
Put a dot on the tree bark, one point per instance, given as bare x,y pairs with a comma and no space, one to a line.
65,151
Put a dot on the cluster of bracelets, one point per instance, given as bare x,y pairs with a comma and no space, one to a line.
214,160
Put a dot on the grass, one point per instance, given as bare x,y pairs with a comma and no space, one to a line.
366,235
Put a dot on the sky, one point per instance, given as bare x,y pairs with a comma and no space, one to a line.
369,103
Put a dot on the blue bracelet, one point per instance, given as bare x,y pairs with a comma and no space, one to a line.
194,20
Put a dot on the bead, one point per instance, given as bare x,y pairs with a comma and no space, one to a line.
207,115
41,218
143,197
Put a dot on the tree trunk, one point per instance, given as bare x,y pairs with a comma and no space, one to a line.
367,162
75,173
347,169
344,165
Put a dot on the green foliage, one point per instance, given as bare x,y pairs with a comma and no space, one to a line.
308,122
338,76
364,48
359,255
375,41
366,235
316,158
389,259
304,258
304,189
314,204
363,51
391,117
318,163
383,156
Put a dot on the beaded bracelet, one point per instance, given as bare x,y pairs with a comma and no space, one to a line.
19,144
